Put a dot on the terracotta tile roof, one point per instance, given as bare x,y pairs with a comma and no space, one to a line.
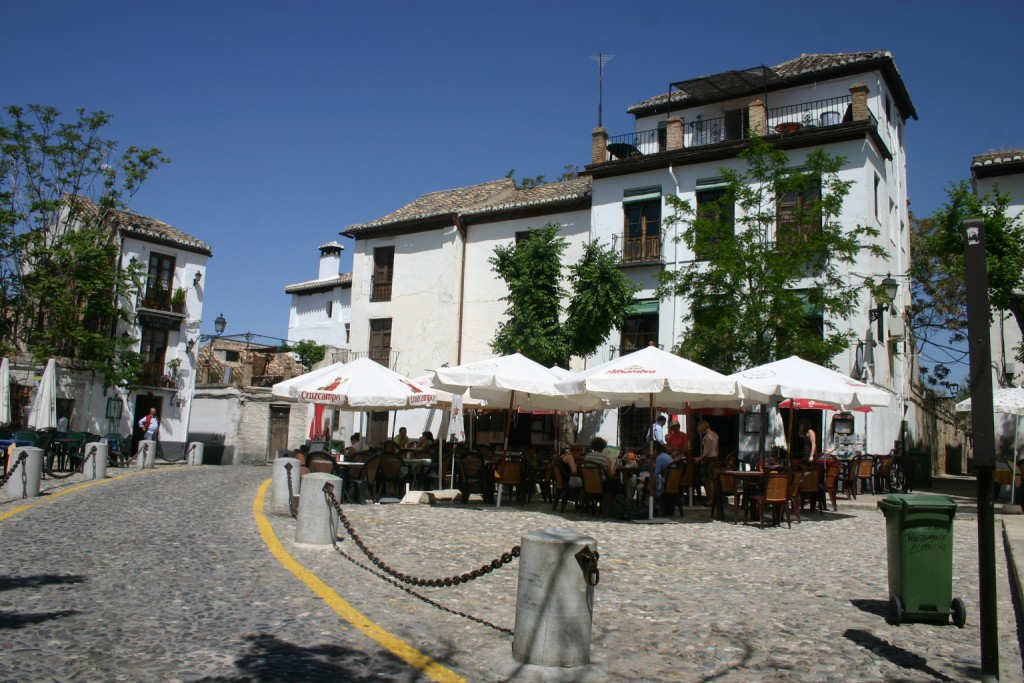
730,84
146,228
312,285
1007,156
486,198
442,203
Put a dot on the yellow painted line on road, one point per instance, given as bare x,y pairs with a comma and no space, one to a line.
346,611
53,496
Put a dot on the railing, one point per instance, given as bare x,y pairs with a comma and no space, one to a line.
703,132
636,144
380,291
388,358
153,375
645,249
158,298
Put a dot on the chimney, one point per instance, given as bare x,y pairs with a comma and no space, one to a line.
330,260
859,97
599,146
674,133
757,114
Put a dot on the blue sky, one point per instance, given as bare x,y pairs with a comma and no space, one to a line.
288,121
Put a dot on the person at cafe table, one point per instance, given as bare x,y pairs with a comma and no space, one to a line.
607,459
708,457
677,441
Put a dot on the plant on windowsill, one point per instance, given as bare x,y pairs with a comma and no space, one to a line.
178,300
166,381
173,364
156,296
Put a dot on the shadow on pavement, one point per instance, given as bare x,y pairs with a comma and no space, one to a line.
897,655
270,659
11,582
879,608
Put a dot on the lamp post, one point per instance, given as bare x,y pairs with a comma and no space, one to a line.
219,325
890,287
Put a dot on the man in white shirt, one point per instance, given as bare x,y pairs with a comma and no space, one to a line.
149,424
657,430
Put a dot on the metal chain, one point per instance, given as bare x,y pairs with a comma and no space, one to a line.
22,457
91,455
497,563
189,452
291,497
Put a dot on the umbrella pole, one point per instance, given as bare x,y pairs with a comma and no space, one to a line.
1013,465
508,417
791,441
650,458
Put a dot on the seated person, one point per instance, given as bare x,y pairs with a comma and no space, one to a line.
607,459
403,438
677,441
426,441
354,445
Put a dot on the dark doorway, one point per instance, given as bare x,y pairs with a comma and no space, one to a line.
279,416
142,406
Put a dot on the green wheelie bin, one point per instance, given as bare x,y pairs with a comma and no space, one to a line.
919,547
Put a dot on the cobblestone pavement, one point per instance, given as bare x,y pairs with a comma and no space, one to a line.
164,576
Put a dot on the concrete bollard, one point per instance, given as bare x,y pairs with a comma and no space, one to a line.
279,485
146,455
317,523
554,603
24,483
95,465
195,452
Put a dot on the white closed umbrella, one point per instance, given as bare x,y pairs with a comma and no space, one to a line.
43,414
5,392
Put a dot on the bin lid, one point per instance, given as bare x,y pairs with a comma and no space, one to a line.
918,502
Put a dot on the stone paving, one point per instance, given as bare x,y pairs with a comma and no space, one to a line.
163,576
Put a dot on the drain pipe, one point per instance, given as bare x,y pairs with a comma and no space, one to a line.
675,257
460,225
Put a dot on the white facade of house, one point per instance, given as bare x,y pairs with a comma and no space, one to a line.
321,309
445,301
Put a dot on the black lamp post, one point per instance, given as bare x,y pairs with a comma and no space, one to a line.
890,287
219,324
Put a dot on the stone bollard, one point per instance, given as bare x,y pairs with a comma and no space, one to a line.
195,452
279,485
146,455
317,523
24,483
95,464
554,603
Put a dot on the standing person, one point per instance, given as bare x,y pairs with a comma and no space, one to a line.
677,441
657,431
149,424
810,440
708,458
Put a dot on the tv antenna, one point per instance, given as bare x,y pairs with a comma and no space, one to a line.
601,59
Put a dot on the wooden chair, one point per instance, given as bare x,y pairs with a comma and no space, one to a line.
471,475
723,485
562,492
862,470
830,485
370,475
811,489
509,472
776,495
883,468
391,473
672,488
796,479
485,452
447,479
592,493
319,461
391,447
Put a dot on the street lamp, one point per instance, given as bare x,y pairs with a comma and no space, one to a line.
889,288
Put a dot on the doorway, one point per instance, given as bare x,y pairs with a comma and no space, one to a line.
278,441
142,406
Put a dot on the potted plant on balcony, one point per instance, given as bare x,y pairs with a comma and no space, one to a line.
178,300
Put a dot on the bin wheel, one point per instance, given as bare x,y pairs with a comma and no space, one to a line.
896,610
959,612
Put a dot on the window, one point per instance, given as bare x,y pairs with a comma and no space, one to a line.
640,329
153,350
737,123
348,333
798,216
383,273
716,216
231,356
380,341
878,182
642,225
158,281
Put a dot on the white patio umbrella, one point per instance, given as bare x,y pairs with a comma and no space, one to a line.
511,382
361,384
796,378
43,414
5,392
1009,401
652,377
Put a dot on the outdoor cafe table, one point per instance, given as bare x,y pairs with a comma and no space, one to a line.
752,478
346,469
416,469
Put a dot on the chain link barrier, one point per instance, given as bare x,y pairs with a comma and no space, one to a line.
397,578
22,457
91,456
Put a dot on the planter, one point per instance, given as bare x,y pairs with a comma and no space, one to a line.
788,127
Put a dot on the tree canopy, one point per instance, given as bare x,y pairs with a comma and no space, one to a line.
599,298
938,314
770,279
60,281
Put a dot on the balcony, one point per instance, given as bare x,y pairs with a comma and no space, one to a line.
642,250
702,132
154,375
386,357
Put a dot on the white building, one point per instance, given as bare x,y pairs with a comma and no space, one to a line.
424,294
321,309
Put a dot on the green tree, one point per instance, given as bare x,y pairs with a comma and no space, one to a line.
537,325
770,252
309,352
939,315
62,186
